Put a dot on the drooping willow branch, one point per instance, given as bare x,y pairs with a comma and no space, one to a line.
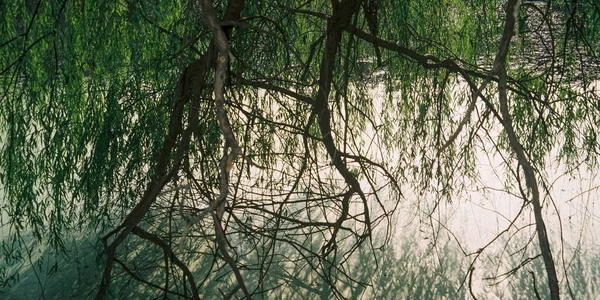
162,174
232,149
342,14
189,87
517,148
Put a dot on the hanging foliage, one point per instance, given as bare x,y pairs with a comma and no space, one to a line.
239,145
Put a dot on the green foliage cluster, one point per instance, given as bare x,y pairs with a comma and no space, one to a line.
88,91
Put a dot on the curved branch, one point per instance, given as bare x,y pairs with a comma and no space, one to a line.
232,149
515,145
341,18
168,251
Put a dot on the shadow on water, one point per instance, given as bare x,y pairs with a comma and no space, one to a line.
401,270
51,274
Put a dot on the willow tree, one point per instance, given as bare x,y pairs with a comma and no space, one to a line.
239,144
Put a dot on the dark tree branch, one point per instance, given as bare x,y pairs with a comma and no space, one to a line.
341,18
530,178
232,149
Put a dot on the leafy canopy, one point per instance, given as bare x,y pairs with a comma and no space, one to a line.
306,127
